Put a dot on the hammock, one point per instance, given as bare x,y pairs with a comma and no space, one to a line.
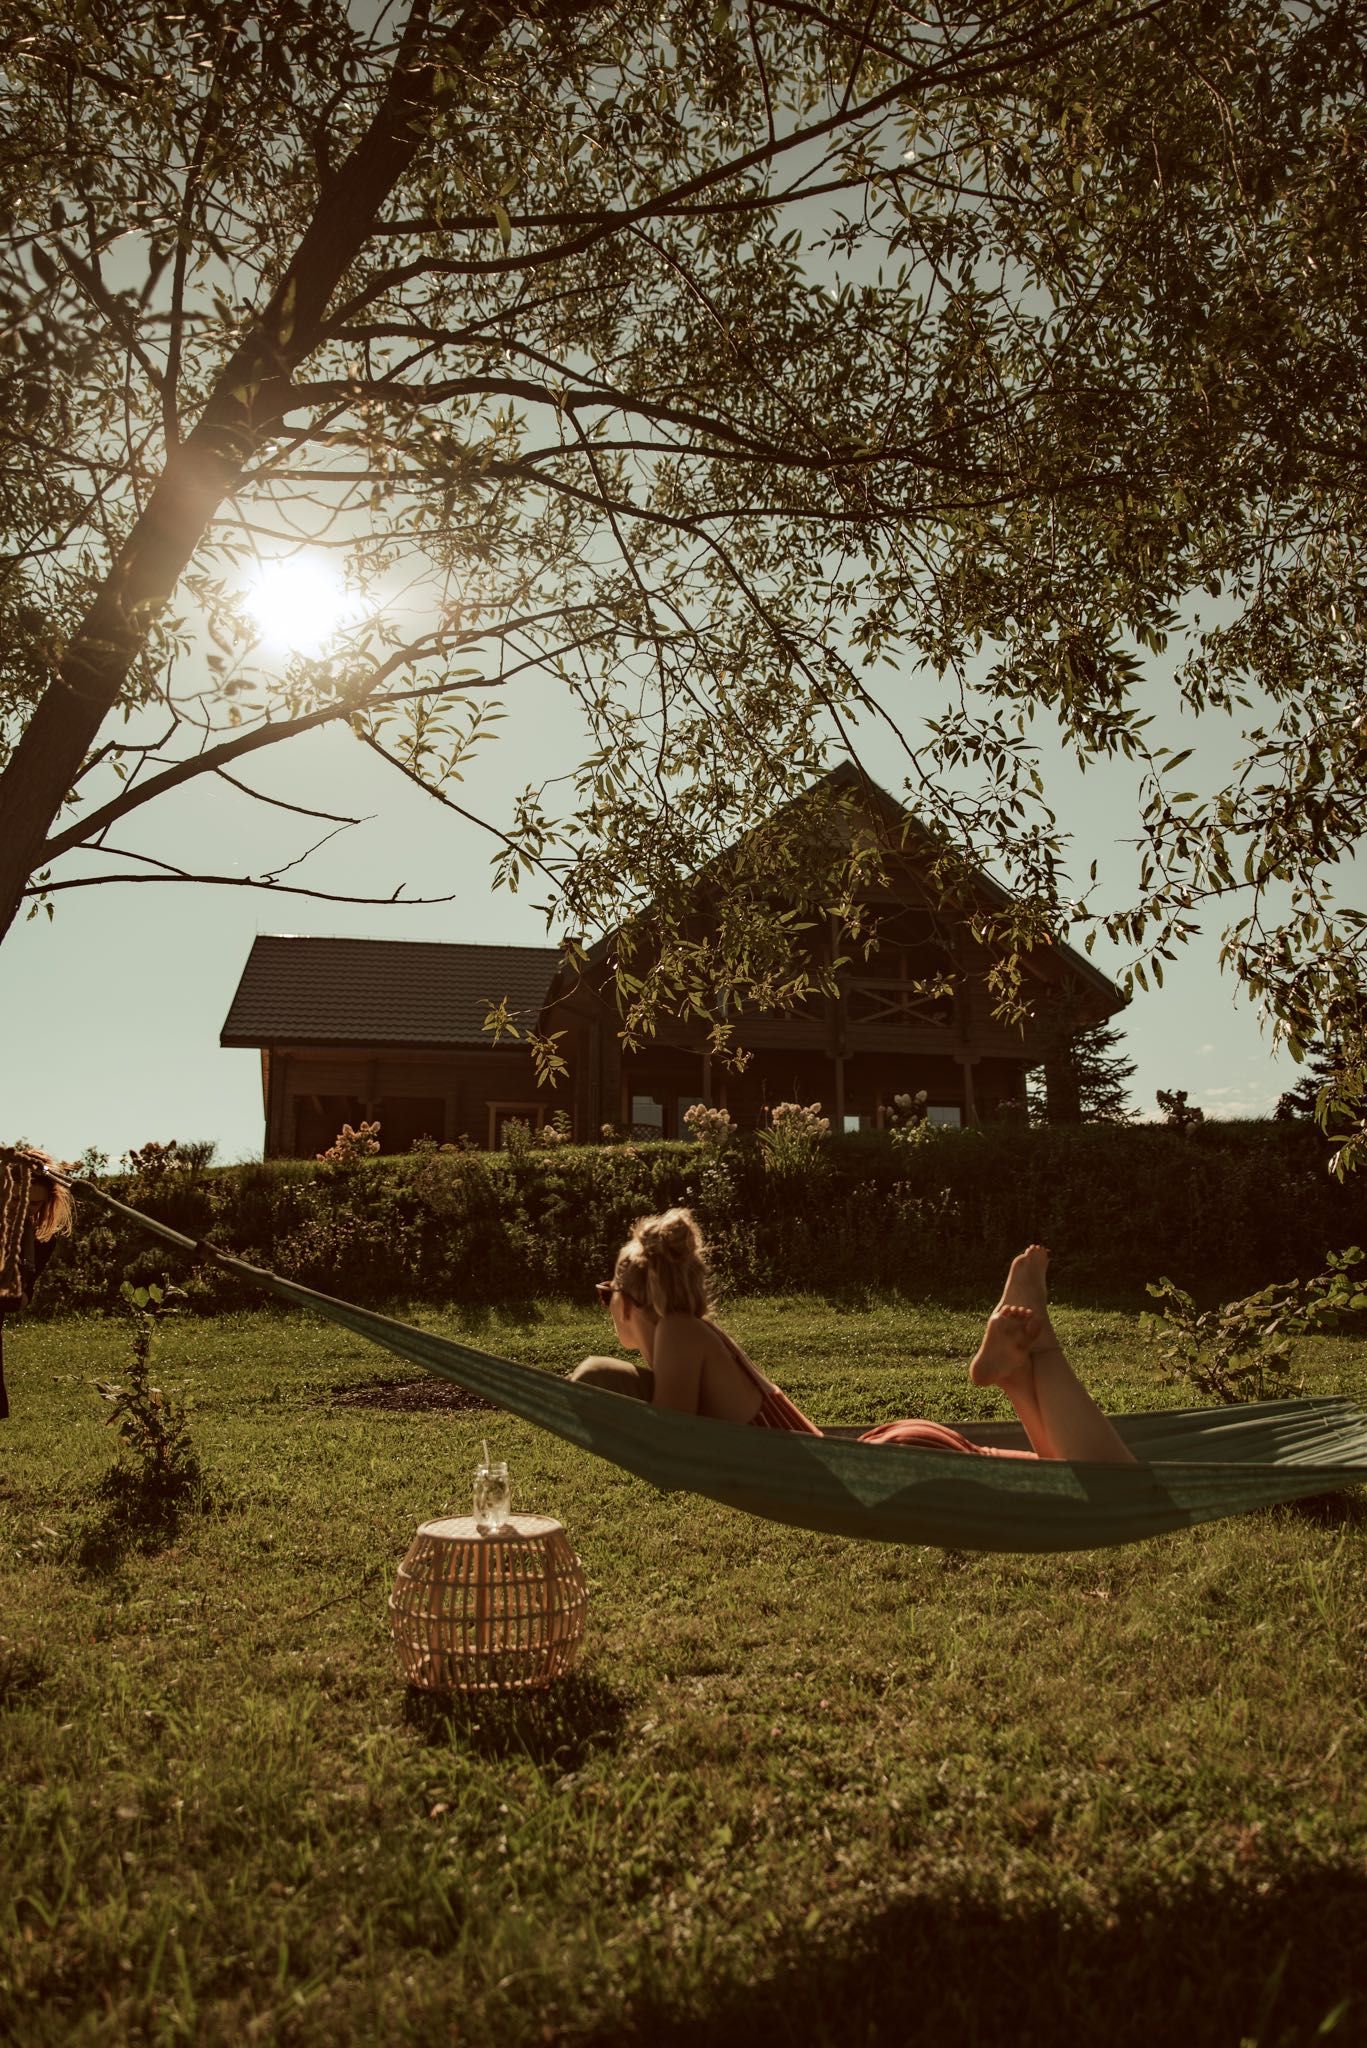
1198,1463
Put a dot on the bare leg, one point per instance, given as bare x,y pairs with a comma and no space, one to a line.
1057,1413
1024,1288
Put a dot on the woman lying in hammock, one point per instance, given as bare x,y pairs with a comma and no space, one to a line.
660,1301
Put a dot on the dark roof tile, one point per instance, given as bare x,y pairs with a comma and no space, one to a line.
305,991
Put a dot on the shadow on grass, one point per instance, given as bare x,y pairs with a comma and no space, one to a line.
137,1515
1346,1509
564,1725
1208,1965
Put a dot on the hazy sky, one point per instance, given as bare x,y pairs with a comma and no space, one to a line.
110,1015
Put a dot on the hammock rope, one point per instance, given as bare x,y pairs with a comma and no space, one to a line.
1198,1464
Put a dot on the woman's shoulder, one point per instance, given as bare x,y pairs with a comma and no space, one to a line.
683,1323
684,1326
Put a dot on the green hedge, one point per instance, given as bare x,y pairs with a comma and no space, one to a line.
1220,1209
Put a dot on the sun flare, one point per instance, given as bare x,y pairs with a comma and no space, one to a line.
300,605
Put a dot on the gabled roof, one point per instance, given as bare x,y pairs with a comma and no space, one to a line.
848,778
305,991
846,775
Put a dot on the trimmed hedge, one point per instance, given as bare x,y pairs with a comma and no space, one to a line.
1220,1209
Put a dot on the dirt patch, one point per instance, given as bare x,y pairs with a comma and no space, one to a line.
407,1397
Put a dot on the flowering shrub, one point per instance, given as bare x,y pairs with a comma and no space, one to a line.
152,1165
171,1181
1225,1204
350,1146
516,1137
558,1130
796,1133
711,1127
909,1121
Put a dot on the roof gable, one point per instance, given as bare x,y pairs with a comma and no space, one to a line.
850,781
309,991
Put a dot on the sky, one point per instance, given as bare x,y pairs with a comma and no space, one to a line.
110,1014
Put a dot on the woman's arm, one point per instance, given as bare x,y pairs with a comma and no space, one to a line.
677,1358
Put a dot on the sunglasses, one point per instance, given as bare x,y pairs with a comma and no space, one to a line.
605,1289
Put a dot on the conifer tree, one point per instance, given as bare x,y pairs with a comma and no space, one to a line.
1099,1071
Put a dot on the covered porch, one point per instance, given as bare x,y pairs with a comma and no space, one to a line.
855,1089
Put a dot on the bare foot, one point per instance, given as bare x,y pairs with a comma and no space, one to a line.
1027,1287
1005,1349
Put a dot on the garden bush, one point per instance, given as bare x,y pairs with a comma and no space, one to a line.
1218,1208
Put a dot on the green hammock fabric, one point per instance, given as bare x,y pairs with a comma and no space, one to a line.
1198,1464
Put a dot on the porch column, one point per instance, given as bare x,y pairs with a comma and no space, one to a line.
840,1092
288,1124
707,1078
589,1089
967,1064
275,1064
608,1068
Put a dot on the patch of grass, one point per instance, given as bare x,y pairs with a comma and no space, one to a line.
814,1790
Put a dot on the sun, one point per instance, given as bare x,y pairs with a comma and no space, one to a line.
301,603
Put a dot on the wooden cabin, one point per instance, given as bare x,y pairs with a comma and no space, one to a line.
388,1030
394,1031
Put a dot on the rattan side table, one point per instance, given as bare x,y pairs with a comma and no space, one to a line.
502,1612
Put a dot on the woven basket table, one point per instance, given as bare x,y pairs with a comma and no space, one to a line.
502,1612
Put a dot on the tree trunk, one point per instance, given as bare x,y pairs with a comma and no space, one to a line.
251,396
1063,1103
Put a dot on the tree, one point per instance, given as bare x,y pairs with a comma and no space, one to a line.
1097,1078
1322,1079
1177,1111
704,362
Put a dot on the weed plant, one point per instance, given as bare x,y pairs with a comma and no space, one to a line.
1243,1350
156,1475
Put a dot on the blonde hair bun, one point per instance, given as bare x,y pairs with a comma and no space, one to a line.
674,1235
663,1266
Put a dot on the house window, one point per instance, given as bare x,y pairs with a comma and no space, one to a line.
501,1113
947,1114
647,1116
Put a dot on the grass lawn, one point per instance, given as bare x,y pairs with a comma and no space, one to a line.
804,1789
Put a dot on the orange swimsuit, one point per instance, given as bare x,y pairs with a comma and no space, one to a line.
776,1411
